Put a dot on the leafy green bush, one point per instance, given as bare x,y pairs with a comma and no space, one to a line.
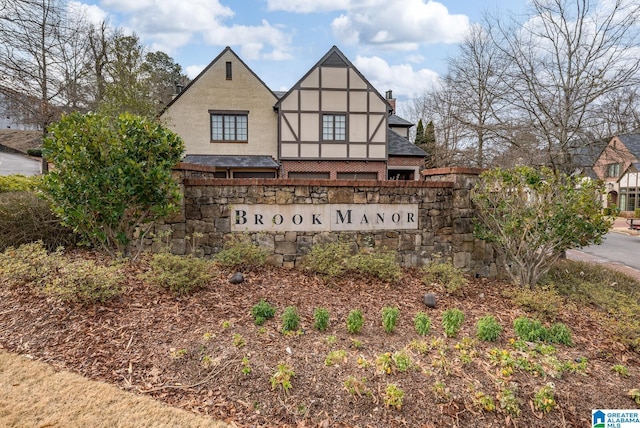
239,252
320,319
262,311
380,264
113,176
290,319
530,330
25,217
389,318
83,281
544,302
37,153
178,274
355,321
560,333
452,320
27,265
327,260
422,323
445,274
488,328
19,183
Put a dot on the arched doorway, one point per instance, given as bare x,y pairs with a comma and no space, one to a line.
612,198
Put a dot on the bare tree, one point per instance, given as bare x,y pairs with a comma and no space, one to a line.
567,57
37,56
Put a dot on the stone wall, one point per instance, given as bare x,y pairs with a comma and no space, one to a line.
445,216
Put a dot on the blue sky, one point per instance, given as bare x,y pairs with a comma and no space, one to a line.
397,44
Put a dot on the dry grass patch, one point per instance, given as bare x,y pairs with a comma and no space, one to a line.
35,395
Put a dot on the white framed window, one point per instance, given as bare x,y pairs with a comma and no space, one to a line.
613,170
334,127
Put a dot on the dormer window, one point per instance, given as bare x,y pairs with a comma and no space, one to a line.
613,170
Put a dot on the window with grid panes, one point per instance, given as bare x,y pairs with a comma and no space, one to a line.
334,127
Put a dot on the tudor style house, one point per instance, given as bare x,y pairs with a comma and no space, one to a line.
331,124
618,166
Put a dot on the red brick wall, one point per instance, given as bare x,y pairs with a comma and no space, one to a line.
333,167
406,161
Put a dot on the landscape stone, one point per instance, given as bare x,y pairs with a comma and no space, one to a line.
237,278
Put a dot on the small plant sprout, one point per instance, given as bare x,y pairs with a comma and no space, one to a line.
226,324
238,341
544,398
335,357
484,401
290,319
320,319
282,377
355,321
621,370
422,323
331,340
207,336
206,361
356,386
262,311
245,365
402,361
384,363
356,343
393,396
419,346
177,353
441,392
389,318
362,362
488,328
634,394
452,320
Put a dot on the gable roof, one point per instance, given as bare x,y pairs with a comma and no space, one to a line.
400,146
333,58
216,59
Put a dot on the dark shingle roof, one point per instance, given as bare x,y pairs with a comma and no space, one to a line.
631,142
400,146
232,161
395,120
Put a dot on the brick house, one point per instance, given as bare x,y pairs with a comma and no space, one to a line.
331,124
618,166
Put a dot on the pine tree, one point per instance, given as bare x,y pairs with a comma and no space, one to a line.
419,134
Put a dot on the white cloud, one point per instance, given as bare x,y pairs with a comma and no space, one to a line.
170,24
307,6
92,13
193,70
399,25
402,79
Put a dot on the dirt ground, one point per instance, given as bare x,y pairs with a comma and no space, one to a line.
204,353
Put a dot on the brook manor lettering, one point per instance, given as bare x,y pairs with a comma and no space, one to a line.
328,217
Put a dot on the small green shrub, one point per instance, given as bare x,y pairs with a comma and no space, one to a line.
445,274
327,260
422,323
530,330
507,397
488,328
355,321
452,320
179,274
335,357
544,398
402,361
389,318
634,394
26,217
27,265
36,153
83,281
19,183
262,311
290,319
393,396
356,386
380,264
239,252
545,303
621,370
282,377
560,333
320,319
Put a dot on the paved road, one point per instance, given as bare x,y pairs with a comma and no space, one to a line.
617,247
11,163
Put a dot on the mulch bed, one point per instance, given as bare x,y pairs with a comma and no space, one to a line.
187,352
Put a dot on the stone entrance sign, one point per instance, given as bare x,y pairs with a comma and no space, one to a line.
323,218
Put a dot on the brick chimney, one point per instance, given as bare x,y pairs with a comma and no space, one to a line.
391,100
